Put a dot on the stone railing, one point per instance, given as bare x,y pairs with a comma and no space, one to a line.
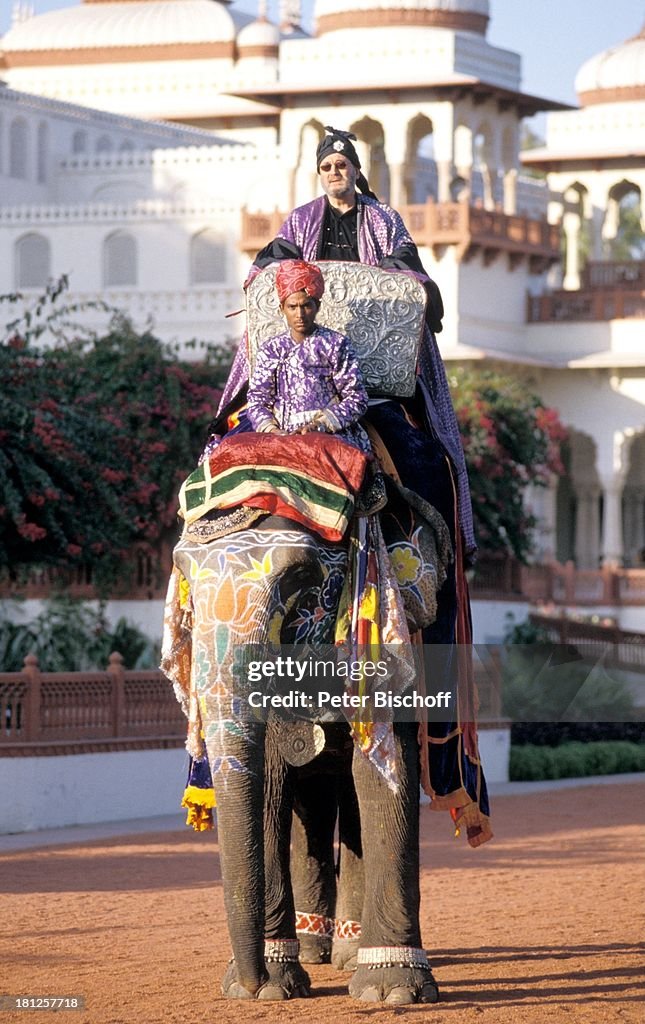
48,713
616,303
439,224
618,647
499,576
614,274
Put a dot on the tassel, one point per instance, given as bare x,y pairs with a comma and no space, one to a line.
199,795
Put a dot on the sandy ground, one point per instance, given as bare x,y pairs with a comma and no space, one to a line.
544,924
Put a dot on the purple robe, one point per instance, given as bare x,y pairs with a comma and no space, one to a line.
292,381
381,231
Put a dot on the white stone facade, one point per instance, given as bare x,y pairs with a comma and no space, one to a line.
147,215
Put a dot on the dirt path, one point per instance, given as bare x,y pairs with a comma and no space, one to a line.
541,926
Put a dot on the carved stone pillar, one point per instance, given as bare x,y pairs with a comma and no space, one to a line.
397,186
571,228
612,550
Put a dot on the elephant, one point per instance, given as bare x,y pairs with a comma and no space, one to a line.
295,572
255,571
268,579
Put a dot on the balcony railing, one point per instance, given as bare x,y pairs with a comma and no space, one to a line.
611,274
435,225
554,583
617,303
78,712
617,647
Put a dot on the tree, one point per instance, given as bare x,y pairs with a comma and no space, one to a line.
510,440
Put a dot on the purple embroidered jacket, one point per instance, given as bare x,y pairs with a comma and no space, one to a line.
380,231
293,381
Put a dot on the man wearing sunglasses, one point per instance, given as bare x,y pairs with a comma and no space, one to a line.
349,223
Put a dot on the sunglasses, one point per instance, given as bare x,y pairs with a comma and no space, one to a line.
340,165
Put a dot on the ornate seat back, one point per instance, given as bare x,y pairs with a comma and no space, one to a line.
381,311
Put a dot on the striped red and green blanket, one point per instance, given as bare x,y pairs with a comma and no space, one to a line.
310,478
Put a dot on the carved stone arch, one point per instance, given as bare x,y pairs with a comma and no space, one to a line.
19,148
305,186
32,260
634,500
79,142
42,152
370,146
578,503
486,189
120,260
623,229
421,177
208,257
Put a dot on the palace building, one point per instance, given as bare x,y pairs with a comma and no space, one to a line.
148,148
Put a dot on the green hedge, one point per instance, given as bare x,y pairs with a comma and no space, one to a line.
575,760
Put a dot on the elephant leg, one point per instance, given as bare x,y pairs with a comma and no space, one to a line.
351,879
313,872
392,966
287,979
239,794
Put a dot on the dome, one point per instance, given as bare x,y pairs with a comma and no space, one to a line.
458,15
260,36
616,74
140,23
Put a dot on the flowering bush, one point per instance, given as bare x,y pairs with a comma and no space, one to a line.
510,440
95,438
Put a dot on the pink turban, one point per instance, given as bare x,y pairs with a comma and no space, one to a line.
299,276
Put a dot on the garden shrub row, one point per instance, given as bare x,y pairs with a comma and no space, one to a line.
575,760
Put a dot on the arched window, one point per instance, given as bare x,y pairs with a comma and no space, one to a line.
104,144
42,152
32,261
119,260
126,146
207,258
79,142
18,141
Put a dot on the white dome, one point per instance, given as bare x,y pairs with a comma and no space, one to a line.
615,74
134,23
467,15
259,33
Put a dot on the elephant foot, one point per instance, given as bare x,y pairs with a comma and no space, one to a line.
282,981
233,988
396,975
315,949
343,954
347,939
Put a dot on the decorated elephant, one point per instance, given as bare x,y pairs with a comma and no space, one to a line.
286,547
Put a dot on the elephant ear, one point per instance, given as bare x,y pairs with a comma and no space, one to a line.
418,542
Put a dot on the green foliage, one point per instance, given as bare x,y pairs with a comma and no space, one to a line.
69,636
510,440
95,438
629,243
575,760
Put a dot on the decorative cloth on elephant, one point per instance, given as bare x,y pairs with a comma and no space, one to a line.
299,276
371,623
310,478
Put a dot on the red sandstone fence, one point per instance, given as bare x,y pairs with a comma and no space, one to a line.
44,713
